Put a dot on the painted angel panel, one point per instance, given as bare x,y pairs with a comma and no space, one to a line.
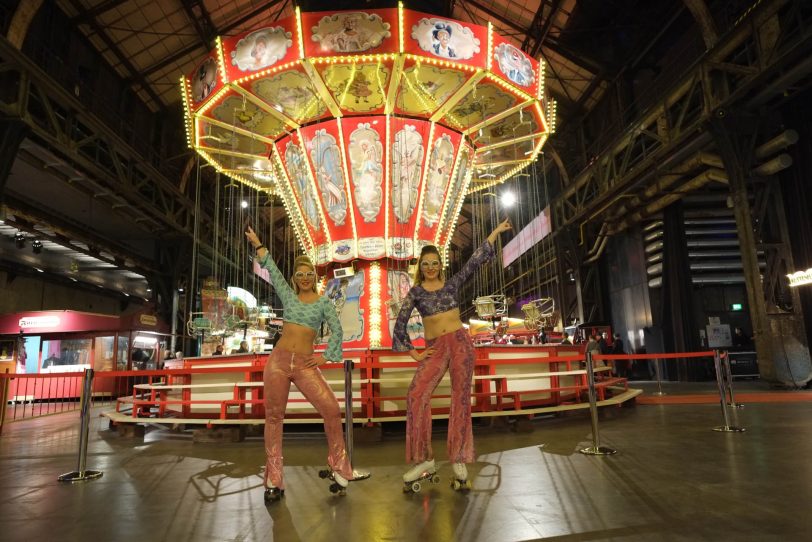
407,159
326,158
366,153
439,171
297,169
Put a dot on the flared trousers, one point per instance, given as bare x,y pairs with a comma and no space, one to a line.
453,352
281,369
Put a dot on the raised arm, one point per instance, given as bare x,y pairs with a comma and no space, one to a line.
334,352
280,285
481,255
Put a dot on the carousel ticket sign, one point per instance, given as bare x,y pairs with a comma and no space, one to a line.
39,322
370,125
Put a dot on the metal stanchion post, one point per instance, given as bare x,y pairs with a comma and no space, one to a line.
358,474
4,406
81,473
348,406
727,428
731,401
658,373
596,448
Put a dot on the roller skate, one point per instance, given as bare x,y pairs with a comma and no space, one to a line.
339,485
422,471
273,494
460,482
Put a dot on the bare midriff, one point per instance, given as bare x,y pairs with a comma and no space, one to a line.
296,338
442,323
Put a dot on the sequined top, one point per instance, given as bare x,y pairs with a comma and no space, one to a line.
306,314
429,303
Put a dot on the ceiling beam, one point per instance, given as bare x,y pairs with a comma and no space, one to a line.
200,18
501,18
86,15
135,75
197,45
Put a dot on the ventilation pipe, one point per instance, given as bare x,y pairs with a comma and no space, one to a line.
778,143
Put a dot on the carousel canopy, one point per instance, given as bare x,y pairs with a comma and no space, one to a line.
371,125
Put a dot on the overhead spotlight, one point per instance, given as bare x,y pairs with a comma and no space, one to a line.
244,204
180,290
3,214
149,289
19,239
508,199
40,270
36,246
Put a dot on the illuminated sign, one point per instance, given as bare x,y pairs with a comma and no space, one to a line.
799,278
736,306
39,321
531,234
148,320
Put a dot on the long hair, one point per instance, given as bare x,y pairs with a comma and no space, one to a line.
303,261
418,272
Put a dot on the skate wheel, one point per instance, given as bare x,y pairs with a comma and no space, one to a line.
324,473
435,479
416,487
335,488
342,492
455,485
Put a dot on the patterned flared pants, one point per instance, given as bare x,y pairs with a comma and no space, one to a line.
455,352
282,368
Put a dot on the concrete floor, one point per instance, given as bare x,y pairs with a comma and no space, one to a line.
672,479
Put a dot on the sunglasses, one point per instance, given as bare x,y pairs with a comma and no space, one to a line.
434,264
305,275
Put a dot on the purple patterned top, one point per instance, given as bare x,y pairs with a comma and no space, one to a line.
428,303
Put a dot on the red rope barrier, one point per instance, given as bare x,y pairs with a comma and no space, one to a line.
655,355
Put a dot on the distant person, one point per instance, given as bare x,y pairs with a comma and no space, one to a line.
243,349
218,351
565,339
621,365
740,339
603,344
593,346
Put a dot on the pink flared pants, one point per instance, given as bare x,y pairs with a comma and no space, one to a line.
282,368
455,352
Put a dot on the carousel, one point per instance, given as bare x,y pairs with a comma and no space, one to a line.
372,127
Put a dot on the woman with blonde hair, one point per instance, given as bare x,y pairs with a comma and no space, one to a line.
448,348
292,360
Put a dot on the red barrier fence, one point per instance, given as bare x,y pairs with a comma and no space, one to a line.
514,380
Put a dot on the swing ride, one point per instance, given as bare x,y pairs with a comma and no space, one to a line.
372,127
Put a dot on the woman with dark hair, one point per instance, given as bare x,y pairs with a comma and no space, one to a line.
292,360
449,348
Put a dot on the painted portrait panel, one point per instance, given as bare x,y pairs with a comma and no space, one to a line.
366,155
514,64
297,170
261,49
326,157
398,284
445,39
204,79
437,175
407,159
350,32
345,294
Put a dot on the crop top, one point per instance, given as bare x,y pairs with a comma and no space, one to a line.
430,303
306,314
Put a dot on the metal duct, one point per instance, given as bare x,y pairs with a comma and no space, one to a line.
654,258
653,236
778,143
650,226
713,243
779,163
656,269
699,181
715,231
709,279
653,247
